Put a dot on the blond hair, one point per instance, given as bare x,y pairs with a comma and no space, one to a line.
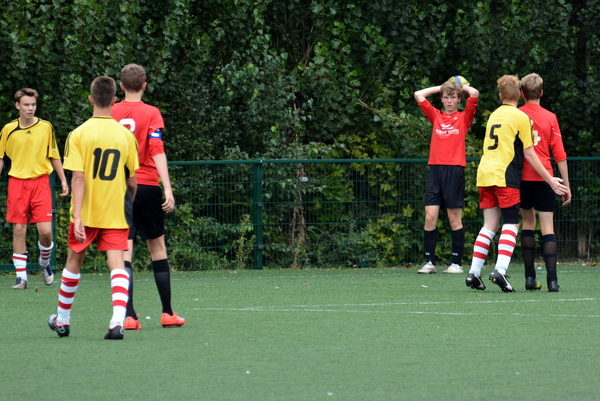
531,86
509,87
451,88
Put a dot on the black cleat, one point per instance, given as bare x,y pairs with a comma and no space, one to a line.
61,329
553,286
116,333
474,282
501,280
531,283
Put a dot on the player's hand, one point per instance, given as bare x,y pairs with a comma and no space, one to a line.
557,187
65,188
169,203
566,198
79,230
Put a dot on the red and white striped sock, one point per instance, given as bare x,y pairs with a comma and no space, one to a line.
119,282
481,250
45,254
20,262
506,247
66,295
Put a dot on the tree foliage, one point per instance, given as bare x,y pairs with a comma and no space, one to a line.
301,78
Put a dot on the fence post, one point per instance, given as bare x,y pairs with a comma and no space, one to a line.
257,219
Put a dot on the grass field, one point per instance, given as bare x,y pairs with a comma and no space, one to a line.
367,334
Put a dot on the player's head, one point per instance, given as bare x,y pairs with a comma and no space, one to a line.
133,77
103,91
509,87
26,102
531,86
451,88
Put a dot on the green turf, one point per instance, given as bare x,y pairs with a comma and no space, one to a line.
368,334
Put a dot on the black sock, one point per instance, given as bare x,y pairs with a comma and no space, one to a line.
429,244
458,246
528,250
130,310
162,277
550,251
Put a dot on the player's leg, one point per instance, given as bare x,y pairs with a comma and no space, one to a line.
69,282
549,249
45,245
453,193
458,240
20,255
433,202
131,319
528,248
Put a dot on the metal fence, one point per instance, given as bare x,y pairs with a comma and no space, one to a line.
320,213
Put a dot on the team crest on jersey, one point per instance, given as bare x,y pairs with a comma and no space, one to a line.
447,129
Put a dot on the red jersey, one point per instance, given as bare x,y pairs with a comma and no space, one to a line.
146,123
546,136
449,133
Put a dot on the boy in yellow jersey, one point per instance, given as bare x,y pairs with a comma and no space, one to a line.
509,137
29,145
102,155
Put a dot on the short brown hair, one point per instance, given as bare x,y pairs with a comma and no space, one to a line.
451,88
531,86
133,77
509,87
103,91
25,92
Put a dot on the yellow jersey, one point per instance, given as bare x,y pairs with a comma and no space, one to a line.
106,152
508,132
29,149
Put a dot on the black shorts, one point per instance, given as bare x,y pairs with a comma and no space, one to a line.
148,216
445,186
538,195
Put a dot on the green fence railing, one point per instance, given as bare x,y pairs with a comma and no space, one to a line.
321,213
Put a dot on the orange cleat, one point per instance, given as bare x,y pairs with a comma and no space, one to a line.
171,321
132,324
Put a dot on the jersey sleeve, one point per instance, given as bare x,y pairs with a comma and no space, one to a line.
73,159
428,110
526,131
155,135
53,152
470,109
132,162
558,148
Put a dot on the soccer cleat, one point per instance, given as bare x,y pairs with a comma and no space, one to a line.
61,329
474,282
531,283
453,269
501,280
47,275
429,268
115,333
132,324
171,321
21,284
553,286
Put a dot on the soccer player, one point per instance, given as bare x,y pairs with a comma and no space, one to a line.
102,155
447,158
536,194
29,145
146,123
509,137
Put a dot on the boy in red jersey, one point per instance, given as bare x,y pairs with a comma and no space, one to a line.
447,159
536,194
29,143
146,123
102,155
508,138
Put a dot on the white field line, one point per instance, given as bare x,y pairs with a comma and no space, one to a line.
338,308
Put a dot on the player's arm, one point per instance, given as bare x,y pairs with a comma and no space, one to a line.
57,164
424,93
554,182
469,90
160,160
564,174
131,186
78,189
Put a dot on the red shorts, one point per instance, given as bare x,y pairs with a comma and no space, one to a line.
504,197
29,197
108,239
